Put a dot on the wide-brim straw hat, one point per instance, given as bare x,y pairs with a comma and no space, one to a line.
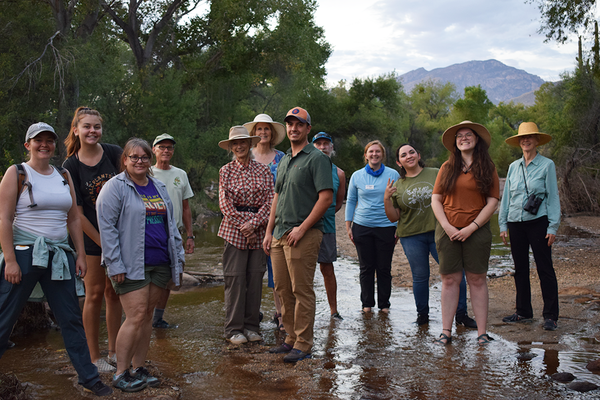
279,128
238,133
526,129
449,136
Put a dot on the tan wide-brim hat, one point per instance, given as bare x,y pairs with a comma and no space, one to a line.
449,136
526,129
279,128
238,133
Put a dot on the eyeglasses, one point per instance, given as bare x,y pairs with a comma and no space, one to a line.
166,148
135,159
468,135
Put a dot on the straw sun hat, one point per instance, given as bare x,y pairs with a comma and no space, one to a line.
238,133
526,129
449,137
277,127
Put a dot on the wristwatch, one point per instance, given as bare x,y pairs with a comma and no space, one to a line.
191,237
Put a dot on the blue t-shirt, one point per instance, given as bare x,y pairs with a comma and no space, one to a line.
156,251
364,204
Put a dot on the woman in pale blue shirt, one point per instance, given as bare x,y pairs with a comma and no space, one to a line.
369,228
531,177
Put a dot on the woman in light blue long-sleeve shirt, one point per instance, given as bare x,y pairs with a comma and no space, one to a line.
369,228
533,176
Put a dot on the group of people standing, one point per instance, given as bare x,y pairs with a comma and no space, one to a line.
122,239
278,210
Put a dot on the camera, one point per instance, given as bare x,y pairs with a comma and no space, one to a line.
533,204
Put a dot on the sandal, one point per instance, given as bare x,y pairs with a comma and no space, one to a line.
443,336
484,339
276,317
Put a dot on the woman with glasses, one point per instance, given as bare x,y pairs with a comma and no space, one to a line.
465,196
143,252
91,165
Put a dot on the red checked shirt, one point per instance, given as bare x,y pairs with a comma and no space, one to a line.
239,186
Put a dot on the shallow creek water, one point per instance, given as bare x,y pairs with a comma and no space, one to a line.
373,356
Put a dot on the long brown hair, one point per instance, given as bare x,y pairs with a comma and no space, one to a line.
72,142
402,169
483,168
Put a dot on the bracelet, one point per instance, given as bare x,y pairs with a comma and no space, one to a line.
191,237
476,224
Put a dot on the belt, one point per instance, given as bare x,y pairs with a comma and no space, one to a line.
247,208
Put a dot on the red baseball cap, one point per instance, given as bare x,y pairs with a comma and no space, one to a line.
300,114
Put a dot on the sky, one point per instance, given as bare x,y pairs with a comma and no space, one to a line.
374,37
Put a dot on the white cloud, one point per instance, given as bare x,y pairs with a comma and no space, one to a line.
373,37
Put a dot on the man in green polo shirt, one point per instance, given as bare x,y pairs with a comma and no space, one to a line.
303,192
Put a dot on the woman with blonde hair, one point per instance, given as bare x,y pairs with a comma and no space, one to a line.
91,165
465,196
271,133
369,228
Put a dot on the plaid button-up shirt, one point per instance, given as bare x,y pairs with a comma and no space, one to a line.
240,186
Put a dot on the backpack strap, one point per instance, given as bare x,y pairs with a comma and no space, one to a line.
64,173
23,182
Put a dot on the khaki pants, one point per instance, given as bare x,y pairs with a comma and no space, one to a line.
294,272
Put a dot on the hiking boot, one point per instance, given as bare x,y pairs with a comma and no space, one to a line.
252,336
128,383
238,338
422,319
142,373
99,389
516,318
162,324
283,348
550,324
466,321
103,366
295,355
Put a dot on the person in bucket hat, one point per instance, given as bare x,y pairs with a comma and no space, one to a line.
245,195
530,180
465,196
271,133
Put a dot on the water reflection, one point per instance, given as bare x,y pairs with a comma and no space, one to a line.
365,356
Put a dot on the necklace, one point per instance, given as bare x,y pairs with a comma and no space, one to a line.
465,168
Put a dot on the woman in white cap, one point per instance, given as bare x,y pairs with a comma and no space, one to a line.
465,196
245,196
271,133
530,212
38,207
91,165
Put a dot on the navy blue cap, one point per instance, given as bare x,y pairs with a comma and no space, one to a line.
322,135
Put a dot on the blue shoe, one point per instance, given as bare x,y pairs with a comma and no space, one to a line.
128,383
295,355
142,373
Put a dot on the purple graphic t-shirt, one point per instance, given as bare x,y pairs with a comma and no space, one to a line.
156,251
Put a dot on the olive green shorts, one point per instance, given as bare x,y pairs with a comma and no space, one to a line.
472,255
160,275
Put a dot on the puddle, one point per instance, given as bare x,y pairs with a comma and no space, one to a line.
373,356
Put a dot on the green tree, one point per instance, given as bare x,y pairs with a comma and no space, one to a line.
473,106
562,17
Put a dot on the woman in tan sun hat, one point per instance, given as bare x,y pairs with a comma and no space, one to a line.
465,196
530,212
271,133
245,196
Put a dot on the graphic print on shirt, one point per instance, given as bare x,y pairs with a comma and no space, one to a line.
418,196
156,209
176,182
94,186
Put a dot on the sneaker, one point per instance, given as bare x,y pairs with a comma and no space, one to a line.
466,321
295,355
336,315
516,318
422,319
252,336
103,366
238,338
128,383
283,348
99,389
142,373
550,324
162,324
